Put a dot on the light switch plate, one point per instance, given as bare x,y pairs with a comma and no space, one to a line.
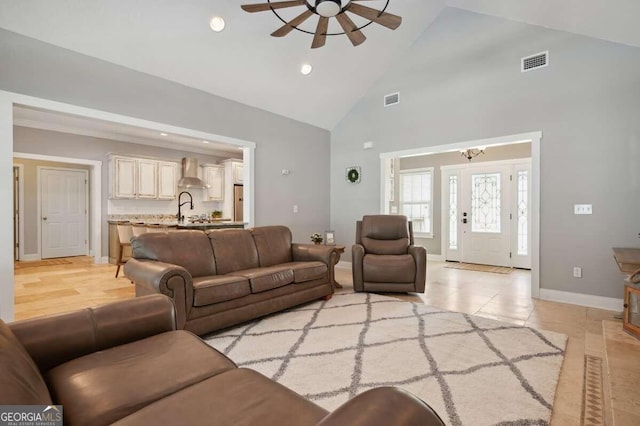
582,209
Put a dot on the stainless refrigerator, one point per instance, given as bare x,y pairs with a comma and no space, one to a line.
237,203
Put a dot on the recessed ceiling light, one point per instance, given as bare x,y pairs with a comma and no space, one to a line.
164,134
205,141
306,69
217,24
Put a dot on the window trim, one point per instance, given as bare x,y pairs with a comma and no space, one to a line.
420,170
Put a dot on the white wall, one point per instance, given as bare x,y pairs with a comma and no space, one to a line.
461,81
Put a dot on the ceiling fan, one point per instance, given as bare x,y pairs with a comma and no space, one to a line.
327,9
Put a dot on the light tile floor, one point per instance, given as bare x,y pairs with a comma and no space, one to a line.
51,289
507,297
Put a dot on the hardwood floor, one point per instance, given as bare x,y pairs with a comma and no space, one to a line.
47,289
42,288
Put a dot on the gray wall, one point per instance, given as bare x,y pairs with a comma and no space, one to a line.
497,153
30,182
461,81
39,69
36,141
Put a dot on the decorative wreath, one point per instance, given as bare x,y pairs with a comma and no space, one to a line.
353,174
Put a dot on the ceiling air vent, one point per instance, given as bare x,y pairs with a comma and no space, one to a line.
533,62
392,99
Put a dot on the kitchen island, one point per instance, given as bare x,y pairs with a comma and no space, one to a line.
161,225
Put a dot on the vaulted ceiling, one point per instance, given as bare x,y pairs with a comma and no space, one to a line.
172,39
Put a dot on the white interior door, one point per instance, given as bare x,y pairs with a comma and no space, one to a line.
63,201
485,215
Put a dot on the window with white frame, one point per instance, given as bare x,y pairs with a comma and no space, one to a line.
416,194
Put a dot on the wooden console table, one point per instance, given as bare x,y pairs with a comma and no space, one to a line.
628,259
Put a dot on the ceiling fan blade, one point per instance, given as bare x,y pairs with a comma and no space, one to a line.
385,19
321,33
261,7
356,36
288,27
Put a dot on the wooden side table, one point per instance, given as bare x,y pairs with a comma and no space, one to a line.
338,249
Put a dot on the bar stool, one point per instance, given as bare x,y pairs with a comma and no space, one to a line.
124,235
138,229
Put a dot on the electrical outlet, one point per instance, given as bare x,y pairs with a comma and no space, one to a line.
295,208
577,272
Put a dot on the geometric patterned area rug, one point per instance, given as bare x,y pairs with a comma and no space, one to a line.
470,370
479,268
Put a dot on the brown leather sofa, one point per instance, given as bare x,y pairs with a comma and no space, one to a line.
384,258
227,276
125,364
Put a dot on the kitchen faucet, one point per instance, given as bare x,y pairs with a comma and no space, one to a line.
179,215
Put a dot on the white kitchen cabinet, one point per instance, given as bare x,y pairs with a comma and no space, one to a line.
238,173
167,180
139,178
147,179
213,175
123,179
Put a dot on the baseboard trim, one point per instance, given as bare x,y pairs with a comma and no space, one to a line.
589,300
435,257
27,257
343,264
104,259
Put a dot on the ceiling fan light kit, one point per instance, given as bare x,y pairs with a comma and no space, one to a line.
326,9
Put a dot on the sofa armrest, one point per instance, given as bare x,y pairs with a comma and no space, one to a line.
357,257
313,252
387,406
56,339
419,254
164,278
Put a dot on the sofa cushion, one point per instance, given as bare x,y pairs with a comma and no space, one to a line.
263,279
307,271
219,288
389,269
20,379
385,234
240,397
273,244
108,385
189,249
234,250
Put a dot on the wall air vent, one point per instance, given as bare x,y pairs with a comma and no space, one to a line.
392,99
533,62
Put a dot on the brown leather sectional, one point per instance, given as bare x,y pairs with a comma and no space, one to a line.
125,364
223,277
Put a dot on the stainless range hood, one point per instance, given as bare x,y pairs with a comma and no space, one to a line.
190,177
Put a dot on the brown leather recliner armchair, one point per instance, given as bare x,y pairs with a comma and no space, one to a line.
384,258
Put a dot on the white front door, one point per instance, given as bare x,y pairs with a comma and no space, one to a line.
486,216
63,195
486,236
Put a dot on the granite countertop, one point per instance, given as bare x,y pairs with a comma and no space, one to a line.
218,224
213,223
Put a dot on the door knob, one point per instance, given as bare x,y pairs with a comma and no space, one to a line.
44,218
